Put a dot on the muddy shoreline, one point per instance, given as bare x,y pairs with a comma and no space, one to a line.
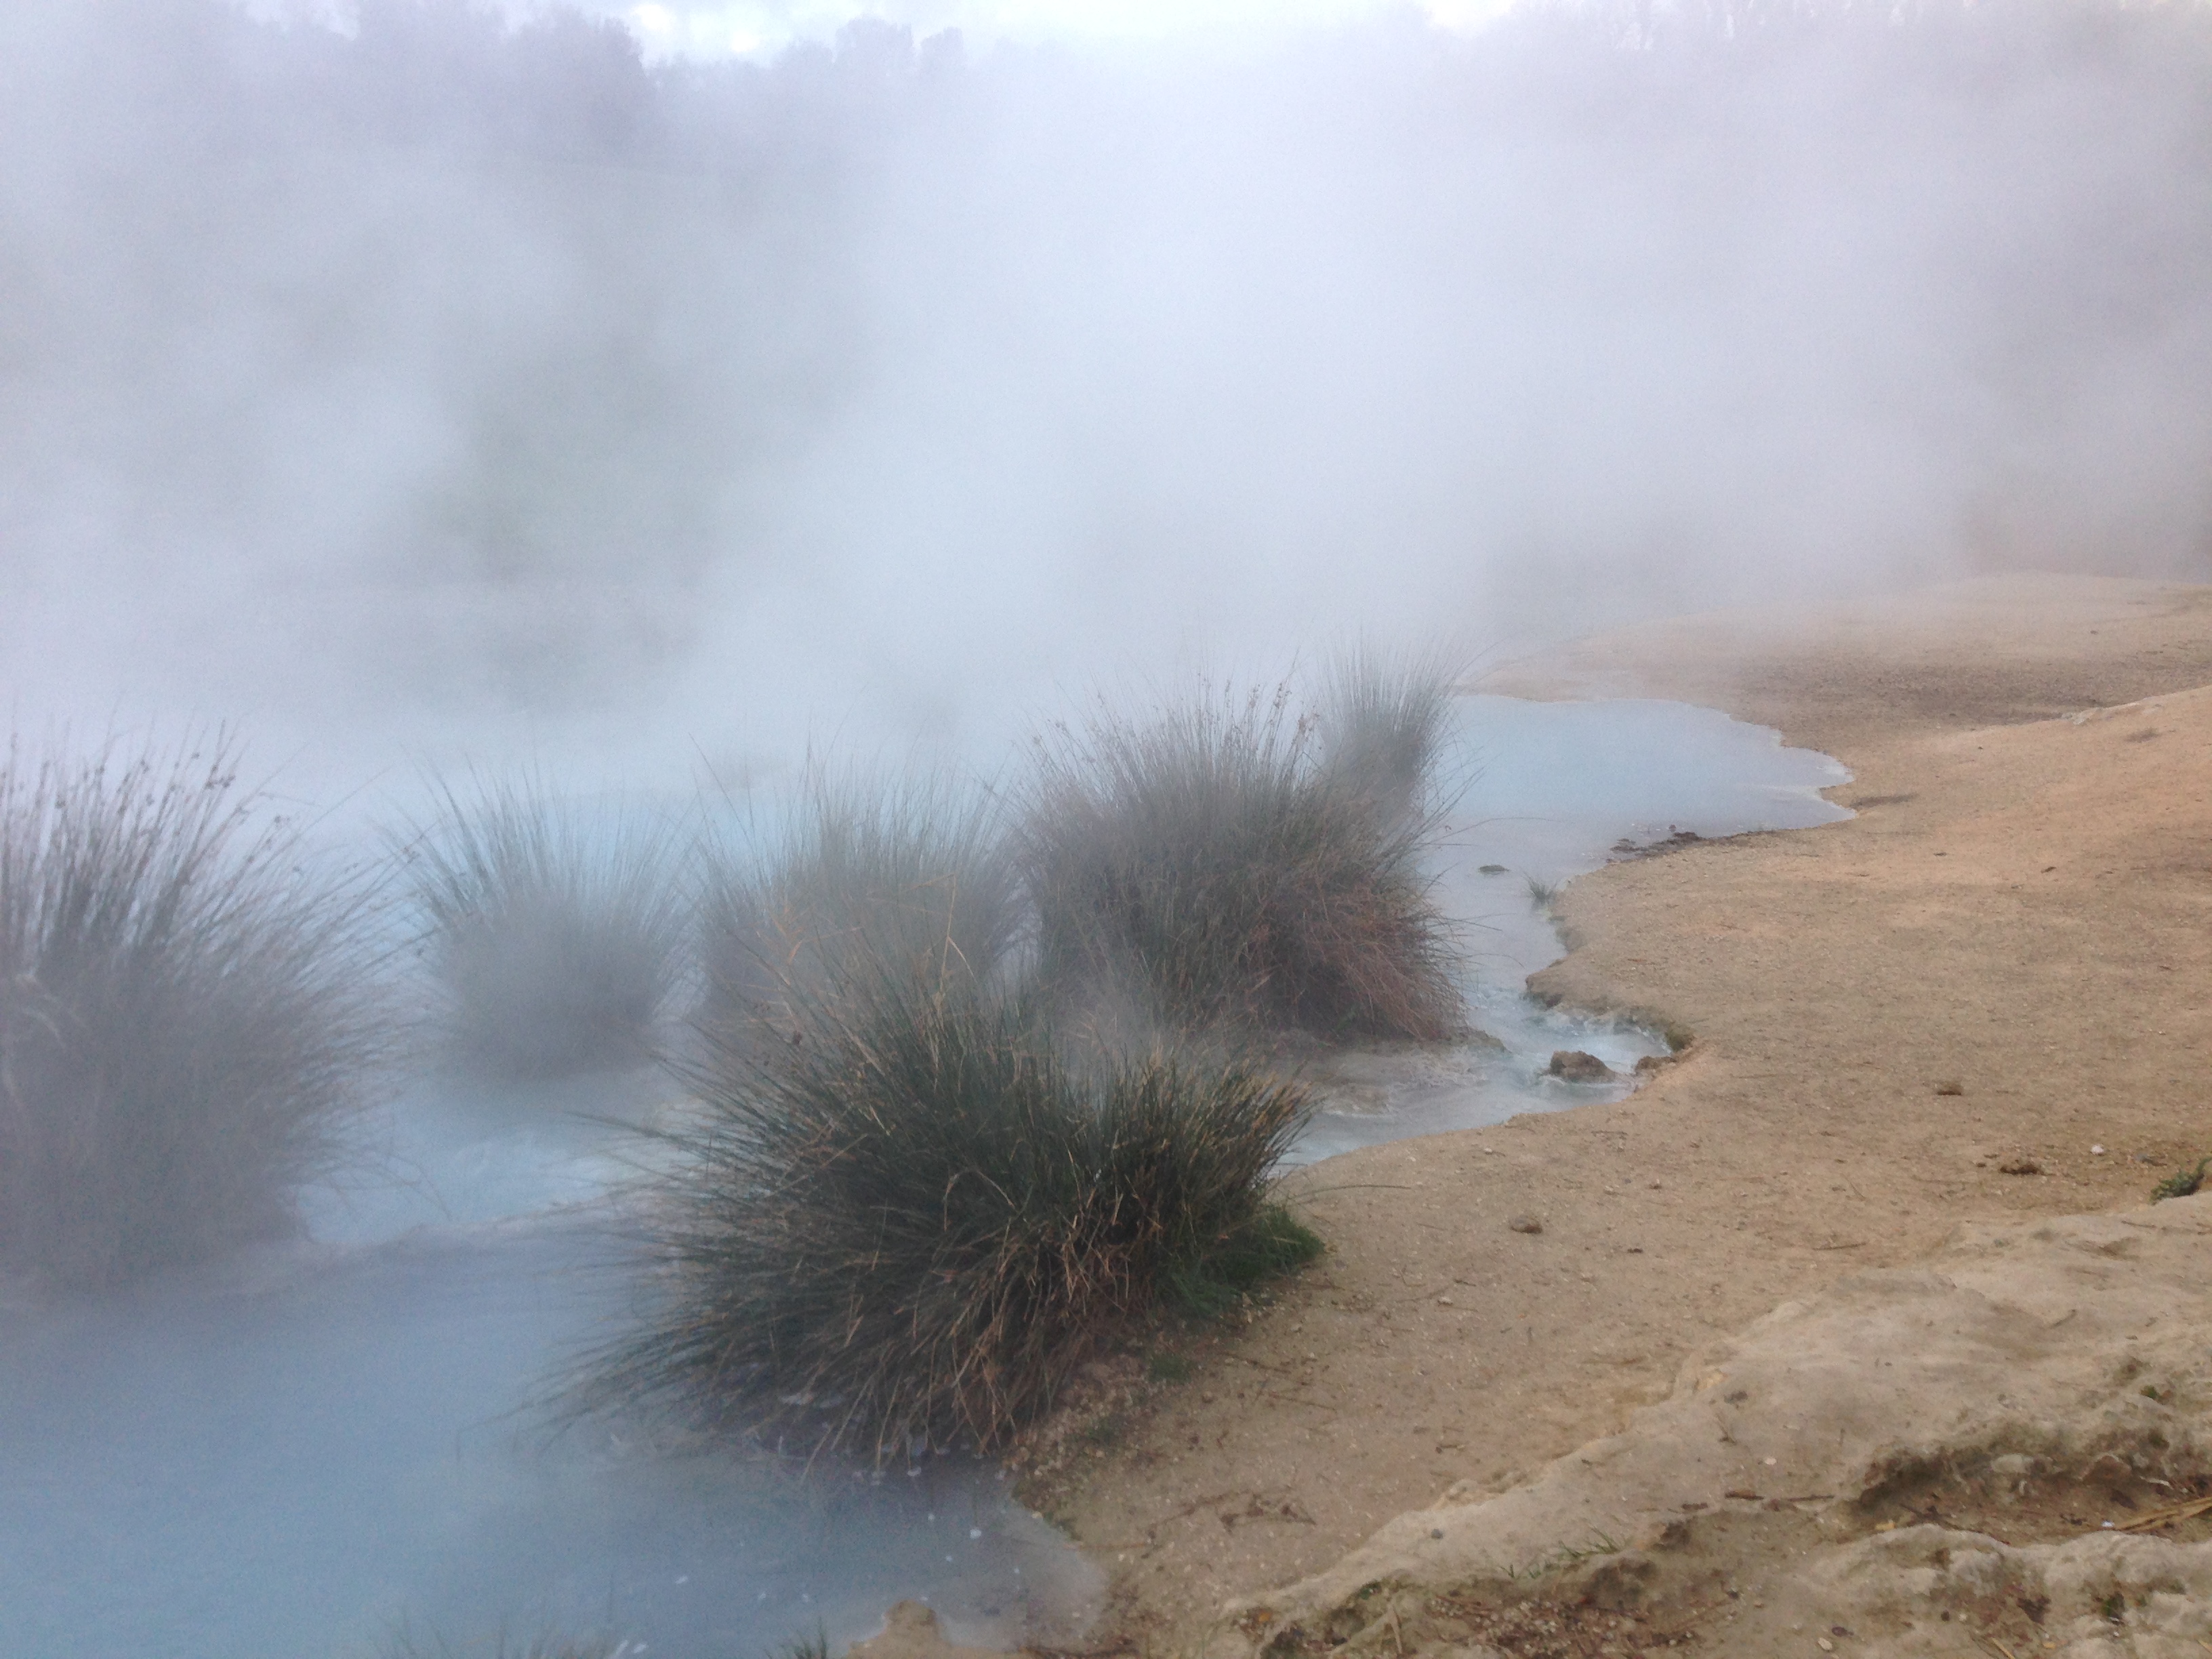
1998,965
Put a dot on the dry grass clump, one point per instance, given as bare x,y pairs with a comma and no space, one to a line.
865,880
1229,862
1383,722
557,933
908,1205
184,1014
911,1227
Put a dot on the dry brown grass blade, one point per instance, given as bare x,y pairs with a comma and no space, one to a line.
2156,1518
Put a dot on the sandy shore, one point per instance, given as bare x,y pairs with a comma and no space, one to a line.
1999,965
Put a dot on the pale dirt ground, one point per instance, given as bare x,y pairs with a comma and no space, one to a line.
2022,908
2002,1452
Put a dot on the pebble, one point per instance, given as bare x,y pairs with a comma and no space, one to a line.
1526,1224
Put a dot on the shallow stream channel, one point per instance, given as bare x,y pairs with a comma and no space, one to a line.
337,1447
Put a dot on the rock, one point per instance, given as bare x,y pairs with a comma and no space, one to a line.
1573,1065
1868,1389
1526,1224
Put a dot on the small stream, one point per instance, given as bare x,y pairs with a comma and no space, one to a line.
329,1448
1553,790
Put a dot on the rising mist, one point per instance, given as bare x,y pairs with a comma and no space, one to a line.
443,386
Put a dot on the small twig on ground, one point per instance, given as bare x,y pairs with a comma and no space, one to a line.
1305,1193
1261,1365
1310,1404
1682,1627
1198,1504
2152,1519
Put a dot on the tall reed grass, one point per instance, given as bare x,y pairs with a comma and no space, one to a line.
186,1013
1237,862
1383,721
864,879
910,1229
908,1206
557,932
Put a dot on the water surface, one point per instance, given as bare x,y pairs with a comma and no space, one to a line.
323,1448
1551,792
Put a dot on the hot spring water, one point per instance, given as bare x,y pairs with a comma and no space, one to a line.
1556,787
329,1448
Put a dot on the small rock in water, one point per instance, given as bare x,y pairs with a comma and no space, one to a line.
1576,1067
1526,1224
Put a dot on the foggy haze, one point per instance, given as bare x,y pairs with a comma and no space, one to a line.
445,385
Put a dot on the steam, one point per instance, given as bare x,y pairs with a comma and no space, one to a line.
443,384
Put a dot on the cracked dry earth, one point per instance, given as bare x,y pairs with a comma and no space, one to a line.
1975,1008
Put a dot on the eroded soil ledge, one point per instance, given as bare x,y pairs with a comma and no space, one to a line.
1920,1036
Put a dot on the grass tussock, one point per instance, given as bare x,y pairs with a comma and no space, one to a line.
1234,862
816,1646
917,1224
906,883
184,1013
557,933
1383,724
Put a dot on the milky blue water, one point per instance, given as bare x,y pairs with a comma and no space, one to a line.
330,1447
1550,789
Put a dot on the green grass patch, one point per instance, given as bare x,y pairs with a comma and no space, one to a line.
1271,1243
2182,1183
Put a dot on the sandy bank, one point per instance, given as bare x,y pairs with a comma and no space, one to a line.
2001,962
